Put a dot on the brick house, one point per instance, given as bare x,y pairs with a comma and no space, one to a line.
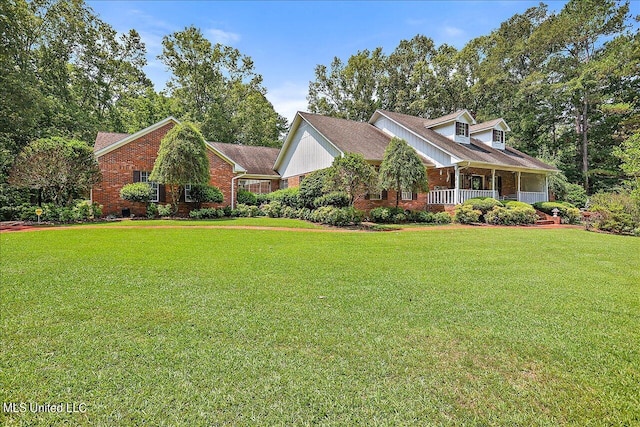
464,159
128,158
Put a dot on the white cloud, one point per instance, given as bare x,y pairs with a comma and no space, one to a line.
220,36
289,98
452,31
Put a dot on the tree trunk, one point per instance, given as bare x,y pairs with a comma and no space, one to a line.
585,146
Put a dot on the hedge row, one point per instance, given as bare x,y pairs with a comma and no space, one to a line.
492,211
398,215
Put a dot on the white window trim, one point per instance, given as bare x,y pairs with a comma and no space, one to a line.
406,195
187,193
493,136
144,177
375,196
465,129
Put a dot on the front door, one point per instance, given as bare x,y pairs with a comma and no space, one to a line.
476,182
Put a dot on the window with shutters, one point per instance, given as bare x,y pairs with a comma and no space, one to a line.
144,177
187,193
498,136
407,195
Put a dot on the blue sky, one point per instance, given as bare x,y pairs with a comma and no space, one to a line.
287,39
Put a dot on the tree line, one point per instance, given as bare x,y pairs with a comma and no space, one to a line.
566,82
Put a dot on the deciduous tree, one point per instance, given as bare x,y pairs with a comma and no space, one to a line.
402,169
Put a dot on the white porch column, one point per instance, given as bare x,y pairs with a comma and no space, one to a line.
546,187
519,182
493,183
456,193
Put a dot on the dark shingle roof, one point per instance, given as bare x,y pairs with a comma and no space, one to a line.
476,151
255,160
105,139
484,125
442,119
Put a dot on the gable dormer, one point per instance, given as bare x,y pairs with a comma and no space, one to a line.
491,133
455,126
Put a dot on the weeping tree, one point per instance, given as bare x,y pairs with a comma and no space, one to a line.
402,169
182,159
352,174
59,169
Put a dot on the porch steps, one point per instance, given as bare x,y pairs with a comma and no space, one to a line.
544,219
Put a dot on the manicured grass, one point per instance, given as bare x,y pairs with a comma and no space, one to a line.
465,326
222,222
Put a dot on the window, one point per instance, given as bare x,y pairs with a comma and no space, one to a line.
407,195
375,196
301,178
256,186
187,193
144,177
462,129
498,136
284,184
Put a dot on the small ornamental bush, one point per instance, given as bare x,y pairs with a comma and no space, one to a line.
165,210
242,210
442,218
246,197
421,216
287,197
518,215
313,186
387,215
336,216
140,192
567,212
465,214
338,199
82,210
207,213
273,209
152,210
576,195
205,193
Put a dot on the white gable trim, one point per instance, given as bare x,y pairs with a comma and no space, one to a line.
287,142
499,125
442,121
454,159
128,139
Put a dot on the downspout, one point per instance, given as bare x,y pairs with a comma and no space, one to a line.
233,187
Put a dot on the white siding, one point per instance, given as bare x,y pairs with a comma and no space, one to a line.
486,136
308,152
437,156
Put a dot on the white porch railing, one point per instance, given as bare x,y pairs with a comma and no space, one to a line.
448,197
532,196
441,197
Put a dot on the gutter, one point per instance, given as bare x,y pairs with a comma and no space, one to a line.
233,187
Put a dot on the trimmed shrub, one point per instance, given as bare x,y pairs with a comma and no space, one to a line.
568,213
338,199
287,197
483,204
380,215
242,210
140,192
165,210
465,214
205,193
336,216
246,198
518,215
152,210
272,209
207,213
442,218
312,187
421,216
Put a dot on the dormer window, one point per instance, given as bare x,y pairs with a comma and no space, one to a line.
462,129
498,136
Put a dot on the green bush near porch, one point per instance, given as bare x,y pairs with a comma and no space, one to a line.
566,211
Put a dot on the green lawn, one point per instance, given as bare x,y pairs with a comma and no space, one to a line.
190,326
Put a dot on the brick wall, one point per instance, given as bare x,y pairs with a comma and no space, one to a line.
117,169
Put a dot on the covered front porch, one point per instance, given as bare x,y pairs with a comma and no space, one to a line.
454,185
